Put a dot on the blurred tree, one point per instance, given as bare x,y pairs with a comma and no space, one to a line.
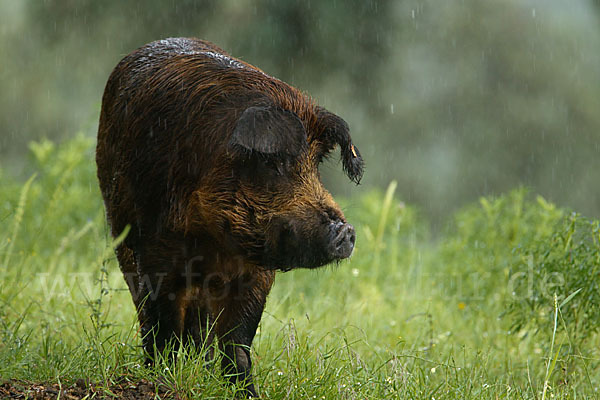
489,95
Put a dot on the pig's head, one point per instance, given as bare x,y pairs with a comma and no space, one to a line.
280,214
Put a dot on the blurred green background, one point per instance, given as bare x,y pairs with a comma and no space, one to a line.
453,99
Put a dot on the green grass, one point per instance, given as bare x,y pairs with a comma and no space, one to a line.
501,305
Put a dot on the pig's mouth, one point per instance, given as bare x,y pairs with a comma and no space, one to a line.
294,248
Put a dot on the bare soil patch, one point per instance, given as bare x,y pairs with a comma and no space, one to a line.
141,390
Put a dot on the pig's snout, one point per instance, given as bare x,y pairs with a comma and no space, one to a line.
342,237
295,243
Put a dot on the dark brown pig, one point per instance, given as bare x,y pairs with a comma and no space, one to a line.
214,166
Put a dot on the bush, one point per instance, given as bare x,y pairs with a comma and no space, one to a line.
476,255
565,267
61,200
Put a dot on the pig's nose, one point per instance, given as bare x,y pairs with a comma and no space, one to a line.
343,237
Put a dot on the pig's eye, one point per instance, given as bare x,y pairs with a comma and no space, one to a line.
277,166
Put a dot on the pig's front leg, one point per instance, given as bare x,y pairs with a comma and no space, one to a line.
237,316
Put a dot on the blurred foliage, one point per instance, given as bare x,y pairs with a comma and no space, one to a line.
566,265
453,99
64,195
477,255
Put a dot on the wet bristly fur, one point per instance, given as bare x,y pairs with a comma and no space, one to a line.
214,166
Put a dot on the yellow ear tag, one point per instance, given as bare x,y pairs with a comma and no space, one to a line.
353,151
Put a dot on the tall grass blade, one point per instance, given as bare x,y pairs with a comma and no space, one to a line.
17,221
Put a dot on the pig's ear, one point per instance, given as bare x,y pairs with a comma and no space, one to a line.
269,130
336,131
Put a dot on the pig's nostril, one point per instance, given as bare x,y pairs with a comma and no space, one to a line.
352,235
